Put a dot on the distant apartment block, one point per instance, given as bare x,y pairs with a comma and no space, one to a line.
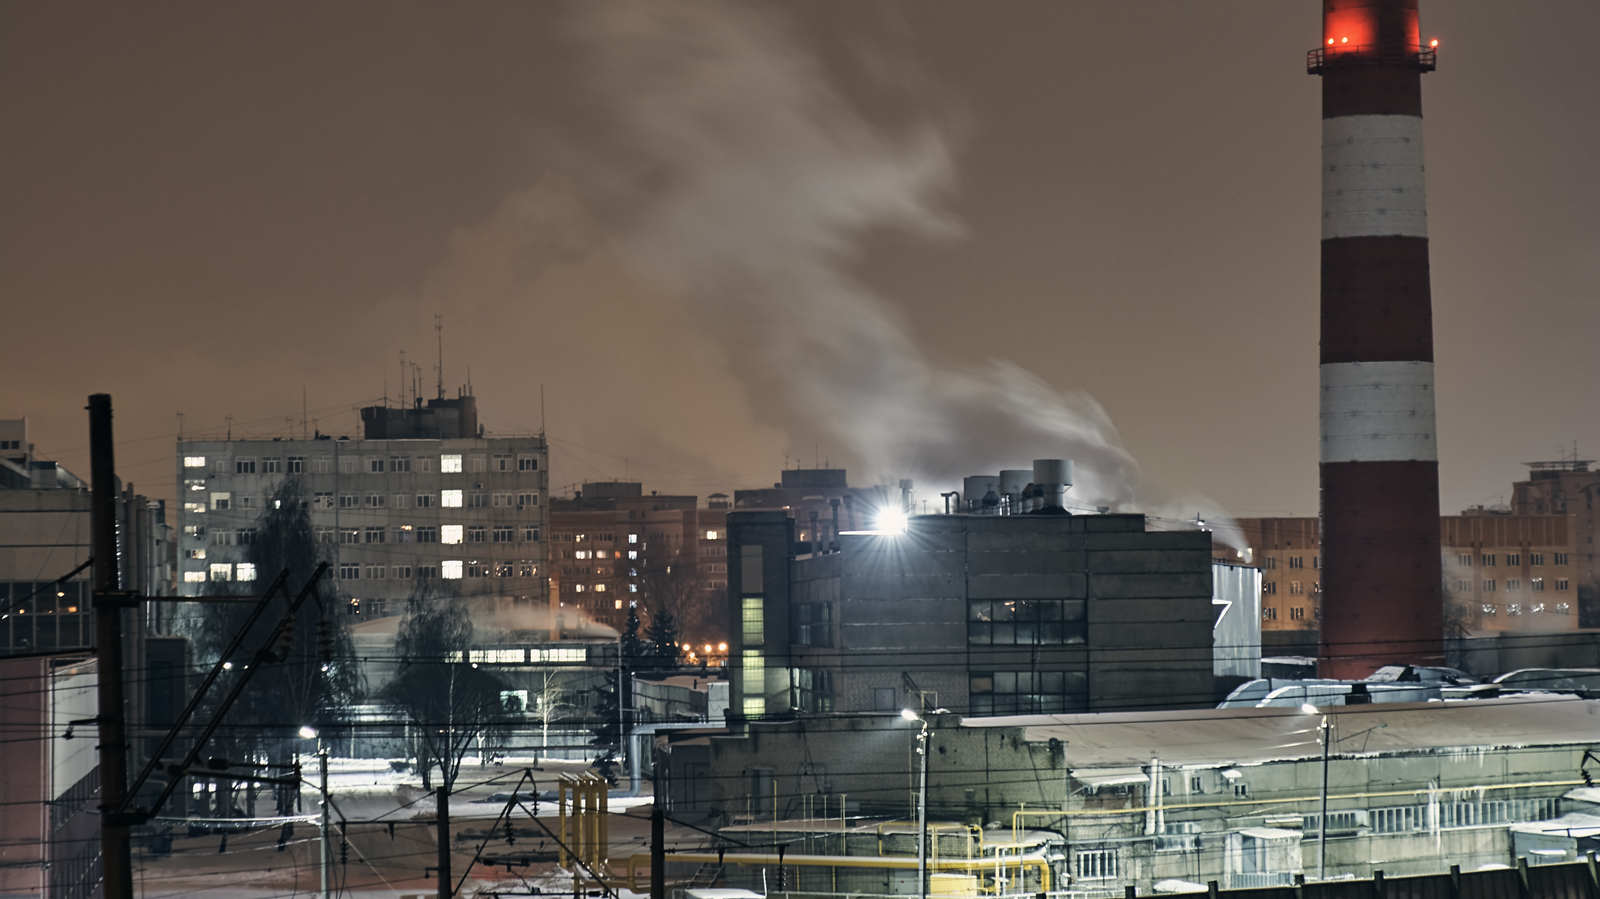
1529,568
612,542
423,494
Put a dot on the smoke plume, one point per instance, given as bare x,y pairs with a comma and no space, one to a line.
749,181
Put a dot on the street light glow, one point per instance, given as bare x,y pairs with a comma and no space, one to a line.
909,715
307,732
891,521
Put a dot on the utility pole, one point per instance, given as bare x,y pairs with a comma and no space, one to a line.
322,825
443,794
658,841
922,817
116,860
1322,822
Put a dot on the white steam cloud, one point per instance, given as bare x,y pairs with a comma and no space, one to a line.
754,180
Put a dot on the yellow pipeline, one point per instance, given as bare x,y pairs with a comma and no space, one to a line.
1019,814
833,861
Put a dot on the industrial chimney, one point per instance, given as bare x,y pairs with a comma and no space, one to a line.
1380,575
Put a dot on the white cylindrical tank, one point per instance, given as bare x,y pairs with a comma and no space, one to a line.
974,488
1012,482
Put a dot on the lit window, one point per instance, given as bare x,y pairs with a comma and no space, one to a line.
633,538
711,535
450,499
578,588
450,533
194,577
450,464
194,508
633,588
618,604
244,571
633,554
221,571
599,588
450,569
753,619
194,461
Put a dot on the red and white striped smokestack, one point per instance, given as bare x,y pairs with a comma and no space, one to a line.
1381,594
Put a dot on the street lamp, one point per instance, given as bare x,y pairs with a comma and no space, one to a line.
307,732
1322,820
922,803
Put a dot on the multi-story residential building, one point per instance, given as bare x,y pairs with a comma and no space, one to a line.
1503,573
424,494
612,543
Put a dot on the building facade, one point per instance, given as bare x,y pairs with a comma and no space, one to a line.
612,544
433,498
980,614
45,534
1091,804
1504,573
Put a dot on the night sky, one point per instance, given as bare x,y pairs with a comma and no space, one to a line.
921,239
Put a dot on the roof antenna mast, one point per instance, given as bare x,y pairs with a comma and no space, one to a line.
438,333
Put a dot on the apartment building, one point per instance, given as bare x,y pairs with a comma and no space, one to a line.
423,494
611,543
1503,573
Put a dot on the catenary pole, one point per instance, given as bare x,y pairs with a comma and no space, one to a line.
115,856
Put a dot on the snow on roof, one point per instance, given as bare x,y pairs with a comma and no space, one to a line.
1109,777
1572,824
1270,833
1254,736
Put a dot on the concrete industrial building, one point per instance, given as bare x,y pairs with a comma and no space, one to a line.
1379,460
611,540
424,494
49,842
982,614
1093,803
821,501
49,834
45,534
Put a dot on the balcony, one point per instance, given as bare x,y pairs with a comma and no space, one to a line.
1338,56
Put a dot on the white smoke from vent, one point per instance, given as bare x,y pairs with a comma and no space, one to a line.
753,181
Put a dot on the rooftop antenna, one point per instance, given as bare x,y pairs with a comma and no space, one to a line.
438,333
229,420
403,399
180,427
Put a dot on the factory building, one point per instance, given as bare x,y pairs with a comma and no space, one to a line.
423,494
1379,459
978,613
1093,803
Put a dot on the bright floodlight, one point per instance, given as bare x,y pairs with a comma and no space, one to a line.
1308,708
909,715
891,521
307,732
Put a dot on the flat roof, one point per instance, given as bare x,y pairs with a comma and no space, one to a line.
1214,737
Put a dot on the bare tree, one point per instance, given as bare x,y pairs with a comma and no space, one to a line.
552,703
449,703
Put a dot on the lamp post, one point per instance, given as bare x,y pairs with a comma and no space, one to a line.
922,803
1322,820
307,732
